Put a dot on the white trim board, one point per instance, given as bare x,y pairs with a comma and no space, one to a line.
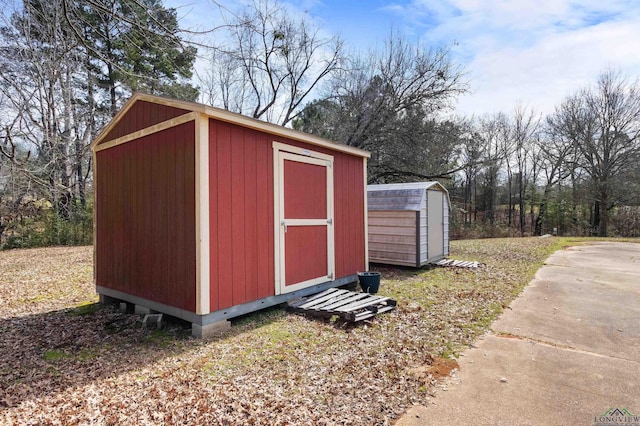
148,131
229,117
203,258
282,152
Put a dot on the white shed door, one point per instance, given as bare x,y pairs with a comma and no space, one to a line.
435,225
304,219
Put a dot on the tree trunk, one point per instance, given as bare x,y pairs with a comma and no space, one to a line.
521,213
510,213
467,200
532,217
595,223
492,197
491,202
475,199
604,212
113,108
542,212
540,219
574,202
112,91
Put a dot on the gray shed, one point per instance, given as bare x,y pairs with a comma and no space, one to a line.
408,223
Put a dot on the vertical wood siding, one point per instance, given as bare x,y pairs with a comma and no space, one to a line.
145,221
313,262
305,188
305,197
241,213
141,115
349,214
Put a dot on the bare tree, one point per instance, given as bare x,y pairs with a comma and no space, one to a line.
224,84
604,123
507,147
556,160
40,80
525,126
58,85
269,62
489,130
472,151
379,89
387,102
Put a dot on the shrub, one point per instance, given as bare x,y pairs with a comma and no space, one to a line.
49,228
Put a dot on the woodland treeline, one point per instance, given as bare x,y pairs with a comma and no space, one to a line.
66,67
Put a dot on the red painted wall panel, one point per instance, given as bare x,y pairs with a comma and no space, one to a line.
305,261
241,213
145,206
238,216
221,189
251,223
305,188
141,115
264,216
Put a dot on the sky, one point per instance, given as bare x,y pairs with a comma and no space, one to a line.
531,53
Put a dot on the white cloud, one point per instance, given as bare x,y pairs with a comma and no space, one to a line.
534,52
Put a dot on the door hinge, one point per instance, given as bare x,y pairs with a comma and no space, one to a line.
284,223
330,276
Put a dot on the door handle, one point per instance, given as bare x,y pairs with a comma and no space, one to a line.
284,223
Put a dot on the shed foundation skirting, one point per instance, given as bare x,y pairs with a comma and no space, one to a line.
202,331
108,295
142,310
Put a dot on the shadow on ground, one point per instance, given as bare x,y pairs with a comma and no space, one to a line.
43,354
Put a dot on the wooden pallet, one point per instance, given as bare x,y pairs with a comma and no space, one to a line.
347,305
457,263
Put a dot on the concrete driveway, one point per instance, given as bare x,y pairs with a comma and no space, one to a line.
567,352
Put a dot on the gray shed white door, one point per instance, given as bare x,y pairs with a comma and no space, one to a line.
435,227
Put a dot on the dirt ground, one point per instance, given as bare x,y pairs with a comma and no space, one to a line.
64,359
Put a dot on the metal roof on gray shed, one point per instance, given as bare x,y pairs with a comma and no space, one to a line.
400,196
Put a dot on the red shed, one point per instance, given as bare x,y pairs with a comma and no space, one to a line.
205,215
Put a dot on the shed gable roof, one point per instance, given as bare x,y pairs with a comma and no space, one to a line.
408,185
395,199
226,116
401,196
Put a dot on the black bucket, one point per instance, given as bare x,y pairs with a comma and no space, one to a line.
369,281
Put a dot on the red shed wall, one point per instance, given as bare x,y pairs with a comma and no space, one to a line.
145,217
141,115
241,213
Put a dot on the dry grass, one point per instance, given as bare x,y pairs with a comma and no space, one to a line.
66,360
42,280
